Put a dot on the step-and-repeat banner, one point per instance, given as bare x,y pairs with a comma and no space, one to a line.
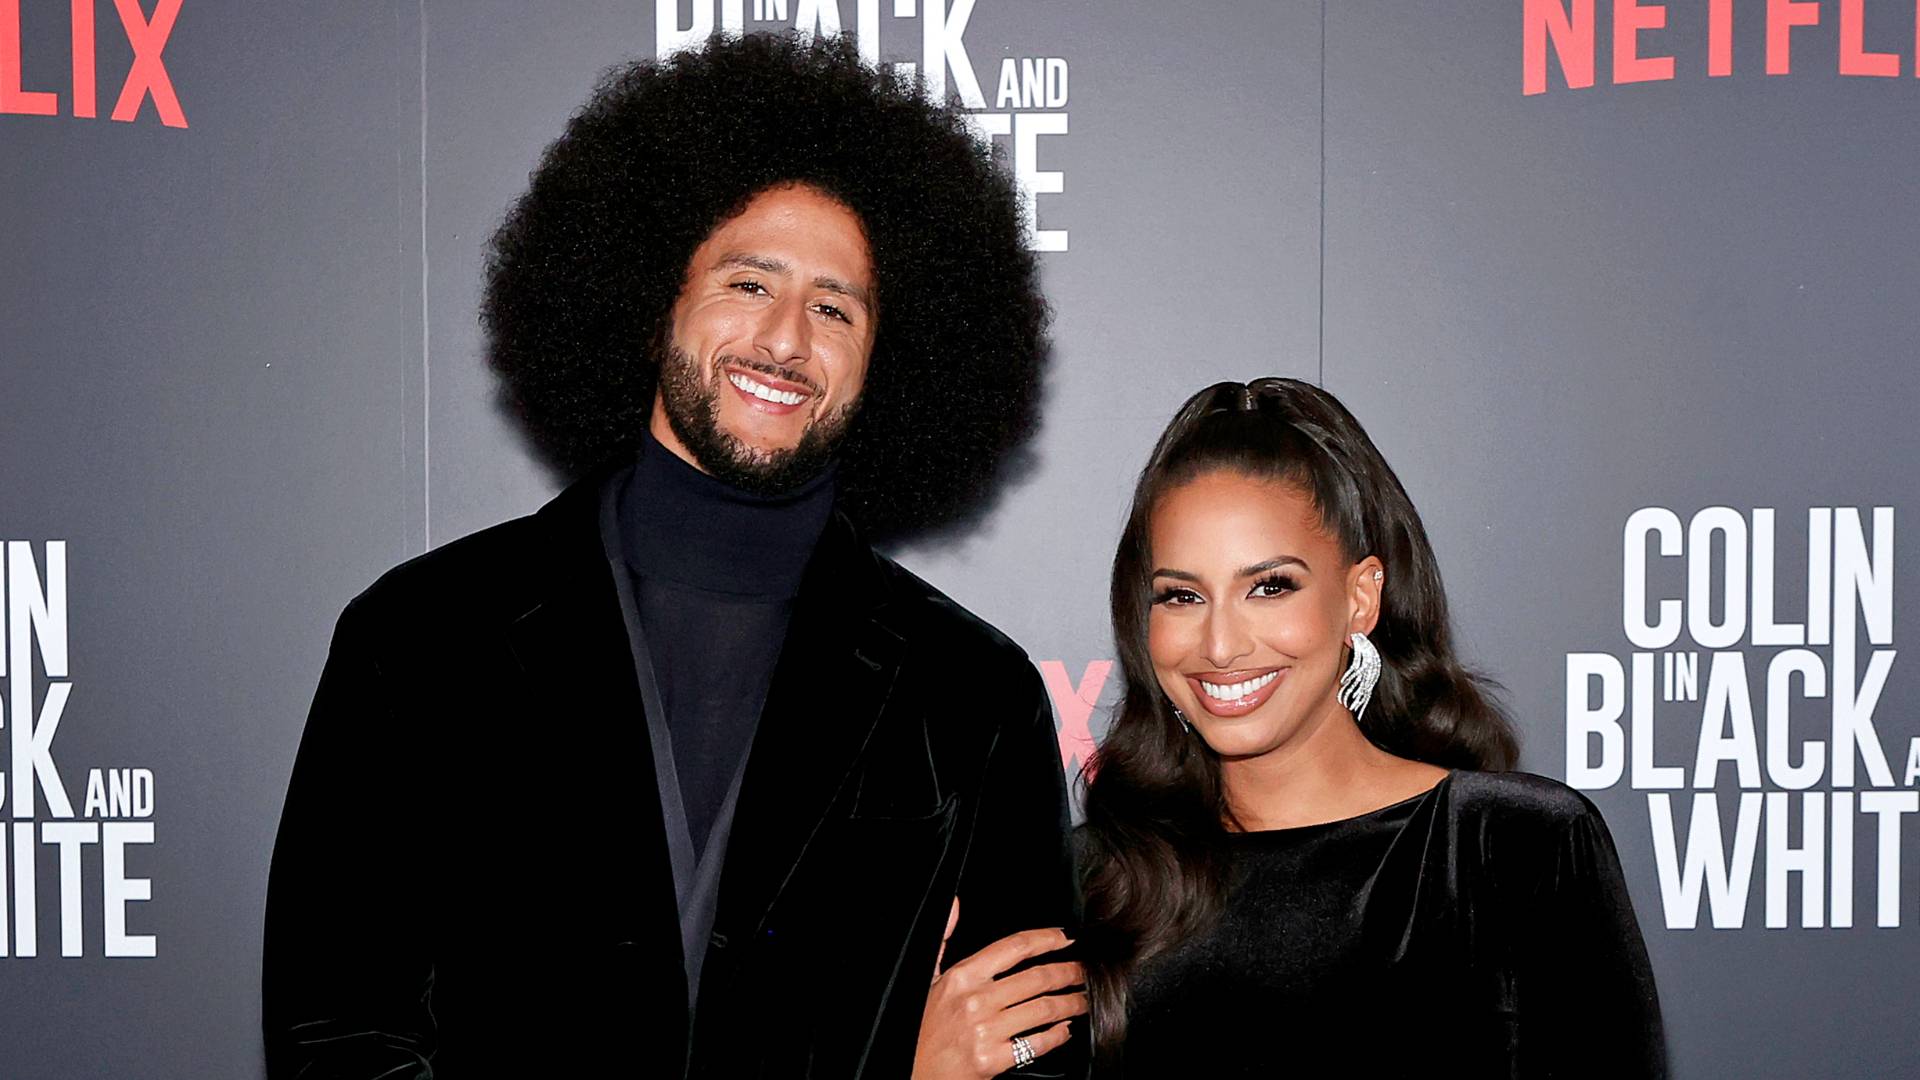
1624,291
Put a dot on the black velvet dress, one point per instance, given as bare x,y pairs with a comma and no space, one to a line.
1481,929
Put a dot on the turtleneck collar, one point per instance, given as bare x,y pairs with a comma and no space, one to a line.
681,525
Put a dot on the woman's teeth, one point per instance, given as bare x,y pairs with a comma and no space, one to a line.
1236,691
764,392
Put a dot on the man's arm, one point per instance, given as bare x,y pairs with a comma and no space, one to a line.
347,978
1019,873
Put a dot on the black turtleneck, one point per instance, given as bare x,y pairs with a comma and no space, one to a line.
715,571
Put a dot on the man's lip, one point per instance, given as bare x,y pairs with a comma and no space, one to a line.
770,382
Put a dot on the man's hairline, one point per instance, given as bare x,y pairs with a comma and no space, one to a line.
772,265
866,233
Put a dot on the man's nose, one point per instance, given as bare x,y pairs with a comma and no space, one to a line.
785,336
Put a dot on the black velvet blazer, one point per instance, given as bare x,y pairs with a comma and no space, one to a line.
471,876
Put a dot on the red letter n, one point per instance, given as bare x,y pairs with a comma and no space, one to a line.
1572,35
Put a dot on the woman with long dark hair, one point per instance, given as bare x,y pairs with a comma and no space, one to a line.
1301,846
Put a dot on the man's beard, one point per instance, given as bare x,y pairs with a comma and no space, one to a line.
693,412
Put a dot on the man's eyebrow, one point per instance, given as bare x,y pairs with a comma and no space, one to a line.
763,263
766,264
844,288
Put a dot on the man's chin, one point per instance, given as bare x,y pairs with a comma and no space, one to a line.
759,439
762,469
765,432
756,454
749,453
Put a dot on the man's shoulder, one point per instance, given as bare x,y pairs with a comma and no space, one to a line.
502,566
923,613
489,572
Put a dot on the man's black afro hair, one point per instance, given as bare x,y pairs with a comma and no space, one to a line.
583,273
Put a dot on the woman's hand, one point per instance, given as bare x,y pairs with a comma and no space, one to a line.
972,1014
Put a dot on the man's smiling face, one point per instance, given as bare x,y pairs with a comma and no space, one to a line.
770,340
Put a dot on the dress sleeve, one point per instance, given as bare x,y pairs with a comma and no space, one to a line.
1585,978
347,981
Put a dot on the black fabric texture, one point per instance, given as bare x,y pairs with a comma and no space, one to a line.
1481,929
472,876
713,656
714,571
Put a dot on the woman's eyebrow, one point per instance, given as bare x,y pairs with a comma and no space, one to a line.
1274,563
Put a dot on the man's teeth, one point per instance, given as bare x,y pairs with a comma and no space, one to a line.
1236,691
766,393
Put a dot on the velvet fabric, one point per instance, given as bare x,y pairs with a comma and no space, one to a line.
1481,929
472,880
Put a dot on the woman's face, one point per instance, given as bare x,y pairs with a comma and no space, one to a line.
1252,604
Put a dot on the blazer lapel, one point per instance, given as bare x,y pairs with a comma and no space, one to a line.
832,680
574,648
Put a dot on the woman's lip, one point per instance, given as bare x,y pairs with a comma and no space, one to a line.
1228,678
1241,706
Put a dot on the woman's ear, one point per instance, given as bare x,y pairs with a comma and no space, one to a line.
1364,584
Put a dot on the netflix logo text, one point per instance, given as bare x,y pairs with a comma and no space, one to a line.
1874,38
41,82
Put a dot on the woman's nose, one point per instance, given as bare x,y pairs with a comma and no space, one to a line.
1227,640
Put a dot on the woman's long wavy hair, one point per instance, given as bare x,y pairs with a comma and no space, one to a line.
1155,803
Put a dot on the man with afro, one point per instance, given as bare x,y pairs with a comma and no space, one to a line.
678,776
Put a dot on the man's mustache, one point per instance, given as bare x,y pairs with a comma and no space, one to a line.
765,368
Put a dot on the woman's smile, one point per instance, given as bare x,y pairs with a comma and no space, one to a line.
1235,693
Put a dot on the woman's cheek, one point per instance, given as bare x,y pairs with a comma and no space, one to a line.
1174,691
1167,648
1287,633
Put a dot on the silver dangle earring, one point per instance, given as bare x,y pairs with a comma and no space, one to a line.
1182,717
1363,672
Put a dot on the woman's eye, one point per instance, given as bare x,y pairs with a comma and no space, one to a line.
1274,586
1177,597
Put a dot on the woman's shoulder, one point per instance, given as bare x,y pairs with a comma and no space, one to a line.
1518,807
1520,794
1535,841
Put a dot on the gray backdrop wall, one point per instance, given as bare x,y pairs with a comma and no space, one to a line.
1637,334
